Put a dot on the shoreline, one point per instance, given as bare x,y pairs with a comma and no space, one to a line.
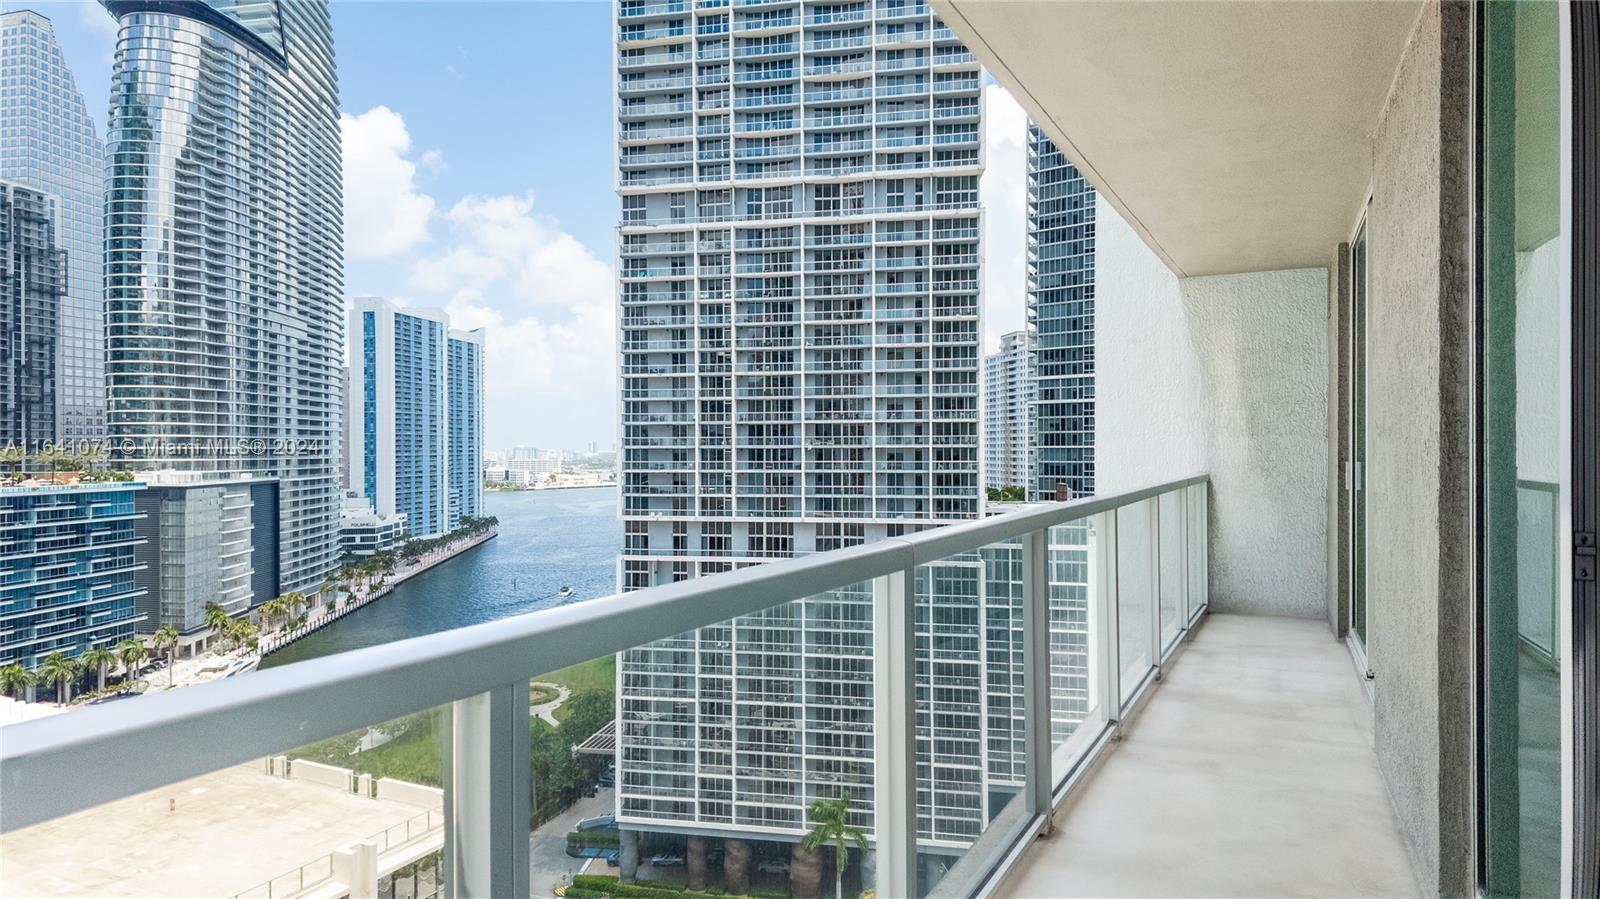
328,617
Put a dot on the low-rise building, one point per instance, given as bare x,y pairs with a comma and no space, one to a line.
206,539
363,532
69,566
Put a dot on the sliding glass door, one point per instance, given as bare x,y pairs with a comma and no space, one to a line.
1525,371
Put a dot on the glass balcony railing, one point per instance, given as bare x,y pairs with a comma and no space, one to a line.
939,691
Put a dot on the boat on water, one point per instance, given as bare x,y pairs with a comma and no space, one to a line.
565,592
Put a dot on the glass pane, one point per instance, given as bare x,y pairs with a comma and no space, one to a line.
1199,546
1358,437
761,727
1523,489
971,757
572,750
1077,667
1173,577
268,827
1136,593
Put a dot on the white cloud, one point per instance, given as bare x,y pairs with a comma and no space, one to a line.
384,215
1005,207
547,306
98,20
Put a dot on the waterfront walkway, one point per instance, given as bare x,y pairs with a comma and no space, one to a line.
325,615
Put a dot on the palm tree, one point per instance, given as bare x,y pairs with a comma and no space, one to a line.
55,457
59,670
14,456
165,641
15,679
296,601
99,658
832,825
272,610
217,618
133,654
91,456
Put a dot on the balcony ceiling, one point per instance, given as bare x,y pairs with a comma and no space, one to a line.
1233,136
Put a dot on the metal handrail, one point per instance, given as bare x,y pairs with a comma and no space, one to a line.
66,763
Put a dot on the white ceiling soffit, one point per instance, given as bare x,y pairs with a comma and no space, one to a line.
1234,136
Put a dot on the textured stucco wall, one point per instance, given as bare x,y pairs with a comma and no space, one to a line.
1419,455
1226,375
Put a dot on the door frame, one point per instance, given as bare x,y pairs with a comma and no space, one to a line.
1354,473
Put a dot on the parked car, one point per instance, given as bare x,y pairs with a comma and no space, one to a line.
607,778
666,861
598,822
773,866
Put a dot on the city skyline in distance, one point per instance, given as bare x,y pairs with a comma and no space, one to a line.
460,197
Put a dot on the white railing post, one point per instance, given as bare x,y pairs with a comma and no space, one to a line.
486,794
1036,672
1103,606
1153,544
894,743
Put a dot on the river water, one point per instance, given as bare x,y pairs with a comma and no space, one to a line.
548,539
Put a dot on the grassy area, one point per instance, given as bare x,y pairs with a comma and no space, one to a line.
413,755
596,674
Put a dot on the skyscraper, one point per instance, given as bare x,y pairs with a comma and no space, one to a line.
33,283
1008,405
464,357
399,448
224,255
48,143
1061,307
416,436
799,345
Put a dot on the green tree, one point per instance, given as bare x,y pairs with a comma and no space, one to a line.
133,656
61,671
217,618
272,610
100,659
165,642
15,680
91,457
55,457
831,826
296,602
13,456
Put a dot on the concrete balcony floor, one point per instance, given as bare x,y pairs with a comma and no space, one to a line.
1250,772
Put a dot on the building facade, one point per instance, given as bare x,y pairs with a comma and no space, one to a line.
1061,250
48,143
400,447
416,404
464,358
799,305
363,532
224,319
206,540
70,554
33,286
1009,389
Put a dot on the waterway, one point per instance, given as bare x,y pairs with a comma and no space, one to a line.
548,539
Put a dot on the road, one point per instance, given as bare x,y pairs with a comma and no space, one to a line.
547,846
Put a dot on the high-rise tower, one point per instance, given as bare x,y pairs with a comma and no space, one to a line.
49,145
224,255
33,282
799,296
1061,309
1008,405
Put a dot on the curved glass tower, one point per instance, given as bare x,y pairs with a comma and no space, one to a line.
224,258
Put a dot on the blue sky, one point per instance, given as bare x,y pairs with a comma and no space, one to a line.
478,178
